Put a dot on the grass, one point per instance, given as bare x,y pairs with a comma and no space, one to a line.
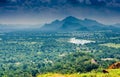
112,73
111,45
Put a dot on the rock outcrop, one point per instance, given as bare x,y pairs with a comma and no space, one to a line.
115,66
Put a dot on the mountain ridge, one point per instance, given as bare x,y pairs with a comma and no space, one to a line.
71,23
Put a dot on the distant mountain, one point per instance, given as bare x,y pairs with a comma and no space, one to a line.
71,23
52,26
74,24
5,28
16,27
68,24
117,25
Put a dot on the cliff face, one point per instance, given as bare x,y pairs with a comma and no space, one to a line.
115,66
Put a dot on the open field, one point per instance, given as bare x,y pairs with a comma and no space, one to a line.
112,73
111,45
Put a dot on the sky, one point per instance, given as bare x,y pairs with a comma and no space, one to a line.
45,11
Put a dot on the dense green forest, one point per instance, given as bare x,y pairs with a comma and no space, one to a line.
26,54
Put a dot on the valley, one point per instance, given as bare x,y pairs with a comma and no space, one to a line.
59,38
29,53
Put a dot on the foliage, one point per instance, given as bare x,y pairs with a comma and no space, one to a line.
112,73
111,45
25,54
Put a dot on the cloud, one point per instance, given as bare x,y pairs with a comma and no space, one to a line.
51,9
3,1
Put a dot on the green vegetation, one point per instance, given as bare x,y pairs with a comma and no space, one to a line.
112,73
26,54
111,45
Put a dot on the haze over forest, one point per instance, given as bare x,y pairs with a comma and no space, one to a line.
59,38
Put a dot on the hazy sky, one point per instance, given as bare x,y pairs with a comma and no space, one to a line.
44,11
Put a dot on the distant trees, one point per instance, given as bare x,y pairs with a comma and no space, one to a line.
25,54
75,62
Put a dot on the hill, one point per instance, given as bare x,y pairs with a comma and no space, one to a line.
74,24
112,73
17,27
67,24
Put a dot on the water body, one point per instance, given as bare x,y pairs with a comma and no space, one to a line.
80,41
